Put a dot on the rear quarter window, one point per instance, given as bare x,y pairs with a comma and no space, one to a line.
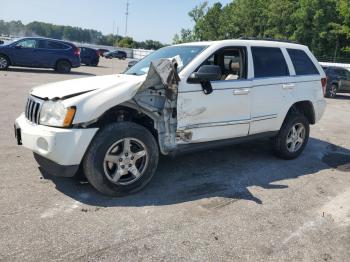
269,62
302,63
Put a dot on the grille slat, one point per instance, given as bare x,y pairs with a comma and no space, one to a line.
32,110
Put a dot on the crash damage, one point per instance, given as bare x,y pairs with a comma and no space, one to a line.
157,98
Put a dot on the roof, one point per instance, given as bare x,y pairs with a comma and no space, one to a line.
42,38
245,42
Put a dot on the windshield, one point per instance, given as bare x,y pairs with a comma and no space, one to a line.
184,55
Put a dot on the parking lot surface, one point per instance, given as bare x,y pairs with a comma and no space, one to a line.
237,203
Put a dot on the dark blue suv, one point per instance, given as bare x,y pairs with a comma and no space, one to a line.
89,56
40,53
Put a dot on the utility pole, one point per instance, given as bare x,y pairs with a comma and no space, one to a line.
126,17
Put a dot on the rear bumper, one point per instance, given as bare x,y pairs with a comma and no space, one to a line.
321,108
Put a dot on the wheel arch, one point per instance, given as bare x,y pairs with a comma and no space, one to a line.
62,59
130,113
303,107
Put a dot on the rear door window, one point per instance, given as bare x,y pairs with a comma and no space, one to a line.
56,45
269,62
303,65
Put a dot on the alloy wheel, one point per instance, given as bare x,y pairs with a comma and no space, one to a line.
333,91
296,138
125,161
3,63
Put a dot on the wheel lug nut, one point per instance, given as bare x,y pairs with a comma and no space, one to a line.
126,154
122,167
130,165
120,160
132,158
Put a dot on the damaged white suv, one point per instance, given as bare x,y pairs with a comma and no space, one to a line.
179,98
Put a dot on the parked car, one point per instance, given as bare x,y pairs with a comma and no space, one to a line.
178,99
40,53
338,80
89,56
102,51
116,54
133,62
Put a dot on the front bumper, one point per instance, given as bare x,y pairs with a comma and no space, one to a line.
64,147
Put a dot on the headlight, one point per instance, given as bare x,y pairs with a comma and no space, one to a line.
55,114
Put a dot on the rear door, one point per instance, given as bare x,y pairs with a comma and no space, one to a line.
272,92
345,80
41,54
54,51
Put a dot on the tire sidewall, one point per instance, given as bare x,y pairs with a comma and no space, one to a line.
287,126
104,139
63,67
329,94
7,62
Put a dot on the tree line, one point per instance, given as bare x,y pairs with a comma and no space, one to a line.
323,25
76,34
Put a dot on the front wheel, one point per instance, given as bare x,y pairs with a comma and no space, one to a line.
121,159
4,62
293,137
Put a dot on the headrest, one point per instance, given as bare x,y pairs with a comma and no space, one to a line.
234,66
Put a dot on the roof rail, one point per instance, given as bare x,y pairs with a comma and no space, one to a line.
269,39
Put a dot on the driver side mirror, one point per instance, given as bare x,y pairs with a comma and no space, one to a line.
204,75
18,47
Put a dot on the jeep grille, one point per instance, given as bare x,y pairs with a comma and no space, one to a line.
32,111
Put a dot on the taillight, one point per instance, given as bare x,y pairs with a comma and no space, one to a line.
77,51
324,85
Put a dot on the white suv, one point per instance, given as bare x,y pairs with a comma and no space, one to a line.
180,98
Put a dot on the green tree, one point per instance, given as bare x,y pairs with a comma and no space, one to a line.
126,42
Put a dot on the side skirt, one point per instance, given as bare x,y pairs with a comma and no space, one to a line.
195,147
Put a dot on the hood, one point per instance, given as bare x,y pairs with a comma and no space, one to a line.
70,88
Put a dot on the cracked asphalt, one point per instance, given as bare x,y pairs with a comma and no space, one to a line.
237,203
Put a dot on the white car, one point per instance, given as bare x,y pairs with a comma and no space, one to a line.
180,98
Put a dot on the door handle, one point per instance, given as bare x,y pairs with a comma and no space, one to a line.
244,91
288,86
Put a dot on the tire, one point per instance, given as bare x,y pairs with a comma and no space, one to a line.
283,142
332,91
63,67
4,62
109,158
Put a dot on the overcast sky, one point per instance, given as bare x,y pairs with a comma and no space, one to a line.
148,19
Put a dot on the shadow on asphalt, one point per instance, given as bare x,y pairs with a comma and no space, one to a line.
226,172
45,71
342,97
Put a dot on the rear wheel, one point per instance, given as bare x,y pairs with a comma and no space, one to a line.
4,62
293,137
63,67
121,159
